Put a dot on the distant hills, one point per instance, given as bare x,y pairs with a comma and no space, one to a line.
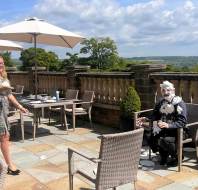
179,61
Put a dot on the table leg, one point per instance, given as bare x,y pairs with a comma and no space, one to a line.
65,117
42,112
73,116
35,123
22,125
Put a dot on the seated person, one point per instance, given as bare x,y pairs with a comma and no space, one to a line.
168,115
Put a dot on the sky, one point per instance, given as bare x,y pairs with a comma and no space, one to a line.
138,27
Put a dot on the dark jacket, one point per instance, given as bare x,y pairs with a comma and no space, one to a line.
174,112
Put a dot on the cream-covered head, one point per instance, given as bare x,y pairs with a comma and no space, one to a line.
167,90
167,84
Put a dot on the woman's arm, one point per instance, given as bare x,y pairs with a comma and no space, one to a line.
17,104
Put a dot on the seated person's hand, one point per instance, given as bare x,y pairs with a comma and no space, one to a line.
140,121
162,124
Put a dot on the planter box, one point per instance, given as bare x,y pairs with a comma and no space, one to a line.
126,123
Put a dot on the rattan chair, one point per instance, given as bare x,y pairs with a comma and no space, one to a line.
81,108
117,163
71,94
192,124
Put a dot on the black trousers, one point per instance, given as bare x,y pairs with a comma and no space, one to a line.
164,142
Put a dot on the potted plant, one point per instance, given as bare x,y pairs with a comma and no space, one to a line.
128,105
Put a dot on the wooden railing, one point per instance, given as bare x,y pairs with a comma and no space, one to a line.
19,78
51,81
47,81
109,88
186,84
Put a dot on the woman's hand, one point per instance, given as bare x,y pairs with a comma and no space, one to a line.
24,110
17,104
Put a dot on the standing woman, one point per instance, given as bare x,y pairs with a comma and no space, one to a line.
5,95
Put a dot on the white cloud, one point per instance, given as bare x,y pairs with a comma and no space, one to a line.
189,5
147,23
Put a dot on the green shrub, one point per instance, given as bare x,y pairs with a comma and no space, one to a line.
130,103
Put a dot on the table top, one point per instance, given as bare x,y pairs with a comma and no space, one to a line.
45,103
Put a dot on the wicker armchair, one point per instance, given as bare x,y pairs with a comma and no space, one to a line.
81,108
192,124
117,163
71,94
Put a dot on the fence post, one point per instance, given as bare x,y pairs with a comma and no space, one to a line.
72,79
144,85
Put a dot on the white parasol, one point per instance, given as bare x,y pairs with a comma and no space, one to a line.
35,31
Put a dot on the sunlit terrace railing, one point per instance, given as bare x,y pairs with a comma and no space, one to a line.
21,78
109,88
50,81
186,84
47,81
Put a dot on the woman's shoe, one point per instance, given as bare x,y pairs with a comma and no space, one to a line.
13,172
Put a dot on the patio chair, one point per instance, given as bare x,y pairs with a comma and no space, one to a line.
81,108
117,163
71,94
192,124
18,92
15,118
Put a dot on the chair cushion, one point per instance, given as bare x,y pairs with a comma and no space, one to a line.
55,109
79,109
76,110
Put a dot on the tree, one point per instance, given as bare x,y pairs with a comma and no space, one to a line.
103,52
46,59
72,60
7,58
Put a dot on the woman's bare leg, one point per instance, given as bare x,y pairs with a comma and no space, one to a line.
5,149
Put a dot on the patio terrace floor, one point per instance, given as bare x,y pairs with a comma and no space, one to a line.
43,162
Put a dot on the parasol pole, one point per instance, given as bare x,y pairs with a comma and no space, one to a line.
35,71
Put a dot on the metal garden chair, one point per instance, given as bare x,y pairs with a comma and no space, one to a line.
71,94
81,108
18,92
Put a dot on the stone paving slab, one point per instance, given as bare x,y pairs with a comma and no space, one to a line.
38,148
174,186
44,163
51,140
74,138
45,176
59,158
25,159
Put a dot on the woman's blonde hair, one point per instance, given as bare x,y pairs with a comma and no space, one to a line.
4,73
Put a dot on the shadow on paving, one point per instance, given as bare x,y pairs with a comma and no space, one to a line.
16,135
